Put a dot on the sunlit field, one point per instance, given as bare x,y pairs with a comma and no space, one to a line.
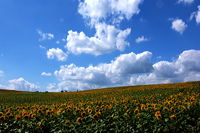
149,108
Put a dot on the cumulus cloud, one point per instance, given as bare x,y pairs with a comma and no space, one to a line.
45,36
45,74
113,73
196,15
179,25
56,53
104,16
106,39
141,39
164,69
99,10
186,1
130,69
185,68
52,87
189,61
21,84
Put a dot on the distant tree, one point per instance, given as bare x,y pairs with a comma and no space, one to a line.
46,91
62,91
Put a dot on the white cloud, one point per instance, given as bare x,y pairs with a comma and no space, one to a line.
185,68
45,36
99,10
129,69
106,39
189,61
104,16
21,84
196,15
186,1
45,74
164,69
179,25
57,42
56,53
116,72
52,87
141,39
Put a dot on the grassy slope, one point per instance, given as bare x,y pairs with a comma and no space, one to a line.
147,108
4,91
11,97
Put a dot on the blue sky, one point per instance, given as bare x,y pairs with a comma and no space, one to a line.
70,44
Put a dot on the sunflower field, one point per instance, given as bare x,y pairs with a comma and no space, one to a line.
160,108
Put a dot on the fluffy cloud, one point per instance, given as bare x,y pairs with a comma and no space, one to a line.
188,61
141,39
21,84
45,74
52,87
116,72
164,69
179,25
186,1
104,16
45,36
130,69
99,10
106,39
56,53
196,15
185,68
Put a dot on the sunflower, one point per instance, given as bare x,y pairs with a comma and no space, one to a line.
173,116
1,114
89,111
158,115
39,124
26,116
59,111
96,115
2,118
79,120
143,107
48,112
17,117
182,107
8,113
166,109
83,114
136,111
67,122
40,111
